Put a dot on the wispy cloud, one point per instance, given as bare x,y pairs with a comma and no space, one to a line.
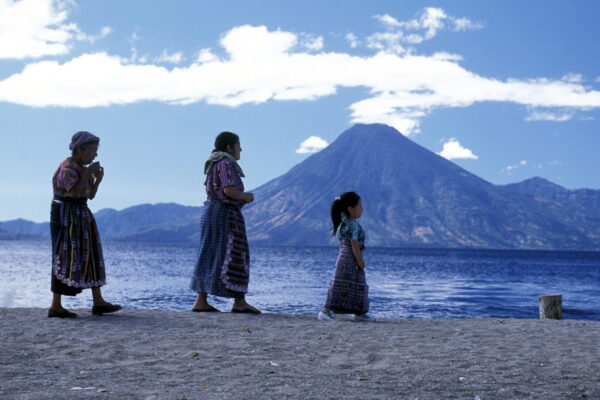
105,31
400,36
312,145
38,28
166,58
553,163
453,150
510,168
311,42
554,116
257,65
353,40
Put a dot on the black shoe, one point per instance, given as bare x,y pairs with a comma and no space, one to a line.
61,314
108,308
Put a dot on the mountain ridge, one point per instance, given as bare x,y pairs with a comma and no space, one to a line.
412,197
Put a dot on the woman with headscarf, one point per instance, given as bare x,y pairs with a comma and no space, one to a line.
77,261
223,267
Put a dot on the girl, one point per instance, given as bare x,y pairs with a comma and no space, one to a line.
348,292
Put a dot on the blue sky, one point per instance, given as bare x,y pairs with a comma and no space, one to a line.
507,90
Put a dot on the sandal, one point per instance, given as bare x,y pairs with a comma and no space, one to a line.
209,309
247,310
105,309
61,314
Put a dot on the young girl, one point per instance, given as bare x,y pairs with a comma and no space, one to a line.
348,292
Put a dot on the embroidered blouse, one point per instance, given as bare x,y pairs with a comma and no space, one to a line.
350,229
67,175
221,175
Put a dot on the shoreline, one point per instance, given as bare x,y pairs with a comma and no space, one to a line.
35,238
155,354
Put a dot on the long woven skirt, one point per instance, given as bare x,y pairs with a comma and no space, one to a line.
223,266
348,292
77,259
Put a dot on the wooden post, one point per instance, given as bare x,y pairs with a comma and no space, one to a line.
551,306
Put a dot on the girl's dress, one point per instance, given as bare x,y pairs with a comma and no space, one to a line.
348,292
223,266
77,260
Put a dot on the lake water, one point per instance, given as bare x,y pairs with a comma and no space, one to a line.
404,283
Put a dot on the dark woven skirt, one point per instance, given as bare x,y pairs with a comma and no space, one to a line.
77,259
223,266
348,292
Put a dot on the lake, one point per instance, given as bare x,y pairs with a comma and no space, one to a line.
404,283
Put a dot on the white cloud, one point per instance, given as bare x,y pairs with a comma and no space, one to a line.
105,31
37,28
465,24
388,21
387,41
573,78
535,115
166,58
206,55
352,40
508,169
429,23
312,145
453,150
135,57
312,43
34,28
259,65
553,163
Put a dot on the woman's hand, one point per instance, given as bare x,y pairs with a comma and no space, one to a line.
248,197
99,175
94,168
361,264
235,194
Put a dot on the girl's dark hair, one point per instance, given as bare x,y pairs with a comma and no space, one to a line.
225,139
340,205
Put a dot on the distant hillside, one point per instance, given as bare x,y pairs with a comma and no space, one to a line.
159,223
21,228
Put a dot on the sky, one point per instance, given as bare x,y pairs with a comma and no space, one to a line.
507,90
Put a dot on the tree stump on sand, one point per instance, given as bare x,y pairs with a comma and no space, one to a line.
551,306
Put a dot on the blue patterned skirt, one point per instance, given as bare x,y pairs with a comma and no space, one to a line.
223,267
348,292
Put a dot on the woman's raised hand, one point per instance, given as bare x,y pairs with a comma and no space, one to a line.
248,197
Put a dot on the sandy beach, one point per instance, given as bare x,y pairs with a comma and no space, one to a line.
152,354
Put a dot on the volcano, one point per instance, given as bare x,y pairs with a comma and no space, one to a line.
413,197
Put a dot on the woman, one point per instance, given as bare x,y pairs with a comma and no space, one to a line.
223,267
77,261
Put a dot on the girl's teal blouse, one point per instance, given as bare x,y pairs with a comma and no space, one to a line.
349,229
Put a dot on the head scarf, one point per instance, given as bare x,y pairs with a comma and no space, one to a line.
217,156
81,138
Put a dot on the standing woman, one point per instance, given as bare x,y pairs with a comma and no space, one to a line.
77,261
223,267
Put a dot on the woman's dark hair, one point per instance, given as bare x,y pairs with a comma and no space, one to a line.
225,139
81,135
340,205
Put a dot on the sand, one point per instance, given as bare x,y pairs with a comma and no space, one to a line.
153,354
